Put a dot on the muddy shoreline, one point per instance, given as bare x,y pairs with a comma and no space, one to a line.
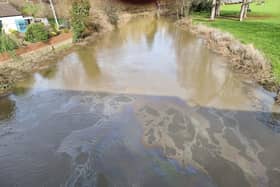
244,59
19,67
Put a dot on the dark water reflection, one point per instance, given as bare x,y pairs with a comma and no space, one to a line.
8,107
147,105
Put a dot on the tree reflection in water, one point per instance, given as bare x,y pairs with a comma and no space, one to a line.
8,108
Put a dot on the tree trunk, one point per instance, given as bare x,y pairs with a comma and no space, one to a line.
213,12
181,8
218,8
243,10
246,10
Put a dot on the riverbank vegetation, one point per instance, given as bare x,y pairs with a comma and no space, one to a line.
261,28
79,18
112,14
7,44
36,32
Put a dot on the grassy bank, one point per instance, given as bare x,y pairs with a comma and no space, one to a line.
261,28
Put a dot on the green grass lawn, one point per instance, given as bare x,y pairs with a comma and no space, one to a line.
261,28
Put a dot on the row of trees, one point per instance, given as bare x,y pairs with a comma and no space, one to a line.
216,8
183,7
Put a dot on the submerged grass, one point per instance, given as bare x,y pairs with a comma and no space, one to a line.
261,28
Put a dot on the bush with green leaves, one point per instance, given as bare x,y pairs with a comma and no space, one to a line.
36,32
112,14
79,18
201,5
7,44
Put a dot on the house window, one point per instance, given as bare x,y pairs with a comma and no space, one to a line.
1,25
21,25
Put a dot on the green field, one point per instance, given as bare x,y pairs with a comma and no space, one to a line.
261,28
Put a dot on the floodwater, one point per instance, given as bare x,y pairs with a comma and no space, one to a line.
146,105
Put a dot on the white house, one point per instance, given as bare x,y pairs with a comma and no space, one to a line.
11,19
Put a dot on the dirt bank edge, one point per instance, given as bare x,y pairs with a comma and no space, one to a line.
30,59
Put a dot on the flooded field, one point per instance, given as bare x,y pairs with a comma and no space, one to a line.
146,105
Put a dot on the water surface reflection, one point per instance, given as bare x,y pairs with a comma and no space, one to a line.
156,58
8,108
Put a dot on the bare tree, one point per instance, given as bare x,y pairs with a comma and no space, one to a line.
218,8
244,7
213,12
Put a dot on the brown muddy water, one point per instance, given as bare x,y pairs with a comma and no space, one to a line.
146,105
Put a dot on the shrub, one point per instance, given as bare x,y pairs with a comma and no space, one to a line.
65,30
79,18
36,32
201,5
7,43
112,14
95,27
53,30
